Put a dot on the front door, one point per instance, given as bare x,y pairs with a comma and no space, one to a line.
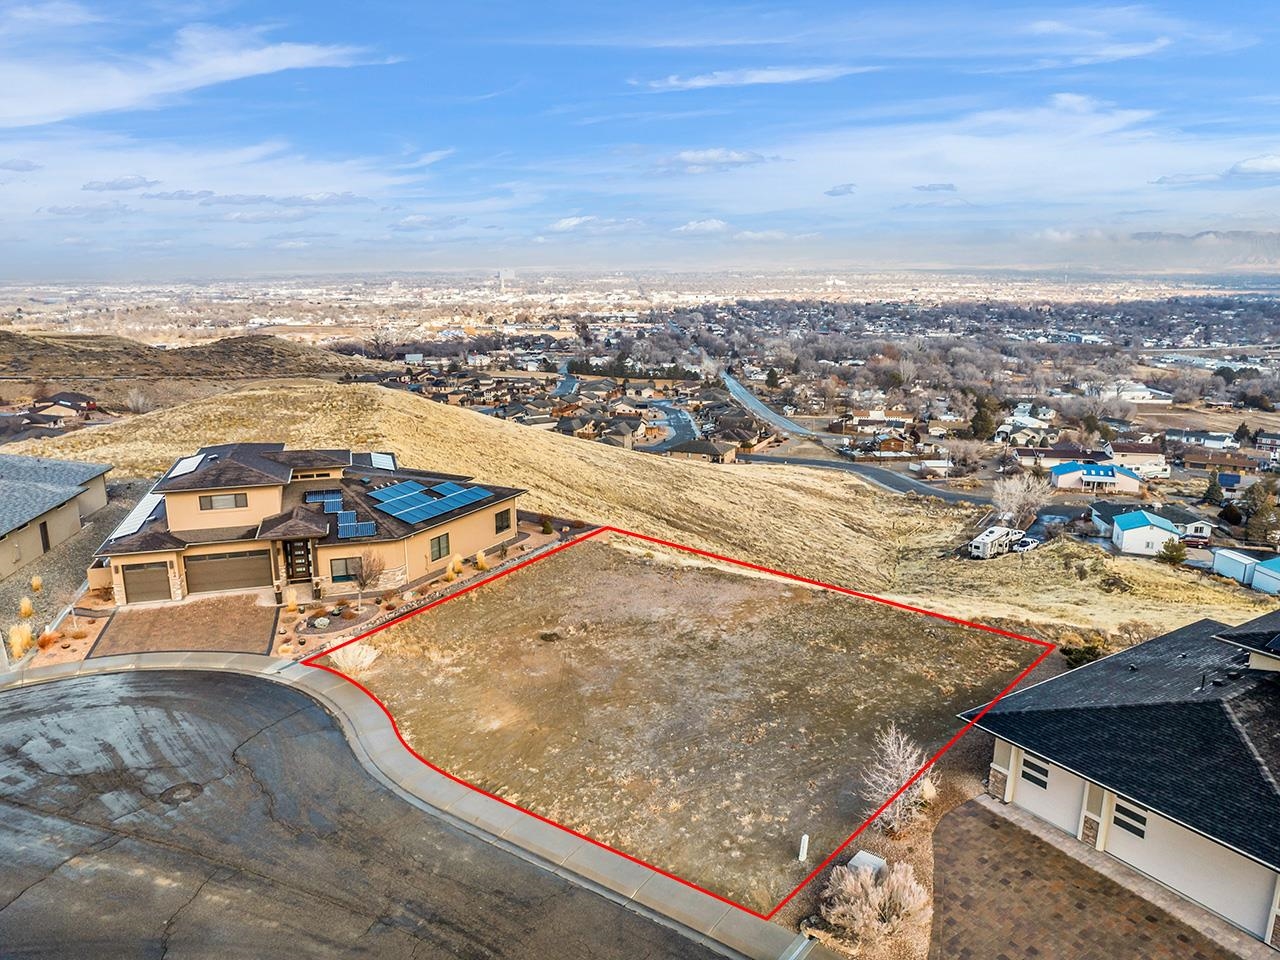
297,558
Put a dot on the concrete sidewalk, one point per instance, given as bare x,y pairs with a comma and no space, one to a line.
697,915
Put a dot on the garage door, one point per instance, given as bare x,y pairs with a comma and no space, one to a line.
228,571
146,581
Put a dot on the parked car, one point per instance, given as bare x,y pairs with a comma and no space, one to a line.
1025,544
1194,541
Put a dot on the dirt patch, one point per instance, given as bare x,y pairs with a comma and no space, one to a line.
227,624
689,715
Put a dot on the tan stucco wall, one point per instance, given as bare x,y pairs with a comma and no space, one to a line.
176,589
22,546
184,513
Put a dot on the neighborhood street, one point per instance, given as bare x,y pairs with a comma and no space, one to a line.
756,406
215,815
682,427
880,476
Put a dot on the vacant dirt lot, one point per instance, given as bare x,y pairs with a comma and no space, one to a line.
695,717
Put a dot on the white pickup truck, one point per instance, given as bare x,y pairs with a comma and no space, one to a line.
994,541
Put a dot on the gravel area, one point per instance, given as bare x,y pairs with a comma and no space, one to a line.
63,567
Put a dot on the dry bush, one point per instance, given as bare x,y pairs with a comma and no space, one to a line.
871,907
481,563
138,402
291,599
37,584
896,759
455,564
355,659
78,634
348,614
20,640
48,639
25,608
449,576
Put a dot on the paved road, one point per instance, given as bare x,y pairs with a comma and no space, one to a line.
682,426
881,476
212,815
756,406
568,384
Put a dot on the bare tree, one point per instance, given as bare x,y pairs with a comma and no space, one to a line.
368,572
381,341
896,760
1015,497
138,402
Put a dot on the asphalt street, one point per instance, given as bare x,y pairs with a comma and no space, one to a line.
682,427
881,476
755,406
179,814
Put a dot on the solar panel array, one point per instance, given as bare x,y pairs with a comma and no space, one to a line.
332,506
410,501
321,496
363,528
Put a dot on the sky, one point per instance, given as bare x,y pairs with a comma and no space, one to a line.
193,139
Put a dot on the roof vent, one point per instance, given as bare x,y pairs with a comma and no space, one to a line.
1133,668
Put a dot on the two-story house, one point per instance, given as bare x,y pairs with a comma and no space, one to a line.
255,515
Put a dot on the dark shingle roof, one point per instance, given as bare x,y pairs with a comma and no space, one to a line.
35,485
1262,634
1176,724
230,465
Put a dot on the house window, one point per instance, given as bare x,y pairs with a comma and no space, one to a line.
1034,772
344,569
224,501
439,547
1126,818
502,520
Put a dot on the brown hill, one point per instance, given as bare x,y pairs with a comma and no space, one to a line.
821,524
57,356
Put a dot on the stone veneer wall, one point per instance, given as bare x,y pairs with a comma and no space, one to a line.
996,784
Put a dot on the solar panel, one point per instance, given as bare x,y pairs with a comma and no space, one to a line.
320,496
332,506
365,528
396,490
137,516
186,465
345,517
448,487
382,461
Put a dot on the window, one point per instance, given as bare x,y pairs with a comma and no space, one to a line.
439,547
344,569
1126,818
223,501
1034,772
502,520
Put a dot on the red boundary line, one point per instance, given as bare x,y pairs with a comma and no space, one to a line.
1048,649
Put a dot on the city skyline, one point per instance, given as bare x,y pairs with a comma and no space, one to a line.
241,139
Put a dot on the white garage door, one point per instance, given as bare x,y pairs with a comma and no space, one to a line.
1050,792
1201,870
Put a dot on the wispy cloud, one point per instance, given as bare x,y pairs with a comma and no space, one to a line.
421,221
713,159
841,190
47,86
755,76
935,187
105,210
1260,171
132,182
210,198
709,225
565,224
18,165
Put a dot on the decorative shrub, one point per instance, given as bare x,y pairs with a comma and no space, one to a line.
37,584
25,608
348,614
547,527
868,906
20,640
354,659
48,639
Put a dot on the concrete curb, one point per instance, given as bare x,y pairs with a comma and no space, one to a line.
698,916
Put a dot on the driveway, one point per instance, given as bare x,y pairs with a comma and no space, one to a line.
1000,892
197,815
230,623
682,427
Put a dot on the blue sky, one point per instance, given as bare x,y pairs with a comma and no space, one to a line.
219,139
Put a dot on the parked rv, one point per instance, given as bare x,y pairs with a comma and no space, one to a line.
994,541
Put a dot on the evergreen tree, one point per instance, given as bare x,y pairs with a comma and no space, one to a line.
1174,552
1213,492
1243,433
771,379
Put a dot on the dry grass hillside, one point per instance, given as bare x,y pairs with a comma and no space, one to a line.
817,523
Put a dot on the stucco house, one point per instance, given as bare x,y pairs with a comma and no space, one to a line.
254,515
710,451
1095,478
1103,514
1165,756
44,502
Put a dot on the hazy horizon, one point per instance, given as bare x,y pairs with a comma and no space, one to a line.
145,143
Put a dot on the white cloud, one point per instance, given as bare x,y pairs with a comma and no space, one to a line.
754,77
841,190
710,225
1266,166
18,165
105,210
267,216
761,235
44,86
713,159
421,221
935,187
132,182
565,224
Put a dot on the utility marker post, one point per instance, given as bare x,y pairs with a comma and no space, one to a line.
804,848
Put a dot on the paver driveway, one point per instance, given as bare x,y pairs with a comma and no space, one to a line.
229,623
1001,893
